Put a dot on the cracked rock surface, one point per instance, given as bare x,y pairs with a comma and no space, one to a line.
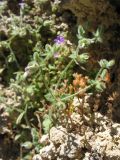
100,143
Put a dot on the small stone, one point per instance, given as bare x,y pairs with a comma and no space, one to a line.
44,139
48,151
37,157
58,135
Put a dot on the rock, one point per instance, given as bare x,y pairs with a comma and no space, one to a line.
58,135
88,10
44,139
48,152
113,154
37,157
72,148
76,118
100,144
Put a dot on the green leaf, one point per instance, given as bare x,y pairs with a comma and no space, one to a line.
17,137
48,48
106,64
47,123
103,74
36,57
100,86
27,145
103,63
110,63
18,121
41,109
51,67
85,42
30,89
35,138
1,70
49,98
11,58
81,32
73,55
48,23
83,58
35,135
98,34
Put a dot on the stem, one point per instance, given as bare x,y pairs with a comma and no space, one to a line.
81,91
26,118
21,18
98,74
10,39
49,90
21,152
13,55
64,71
67,67
6,62
77,50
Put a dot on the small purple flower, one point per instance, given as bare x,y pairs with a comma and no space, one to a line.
22,4
56,55
59,40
